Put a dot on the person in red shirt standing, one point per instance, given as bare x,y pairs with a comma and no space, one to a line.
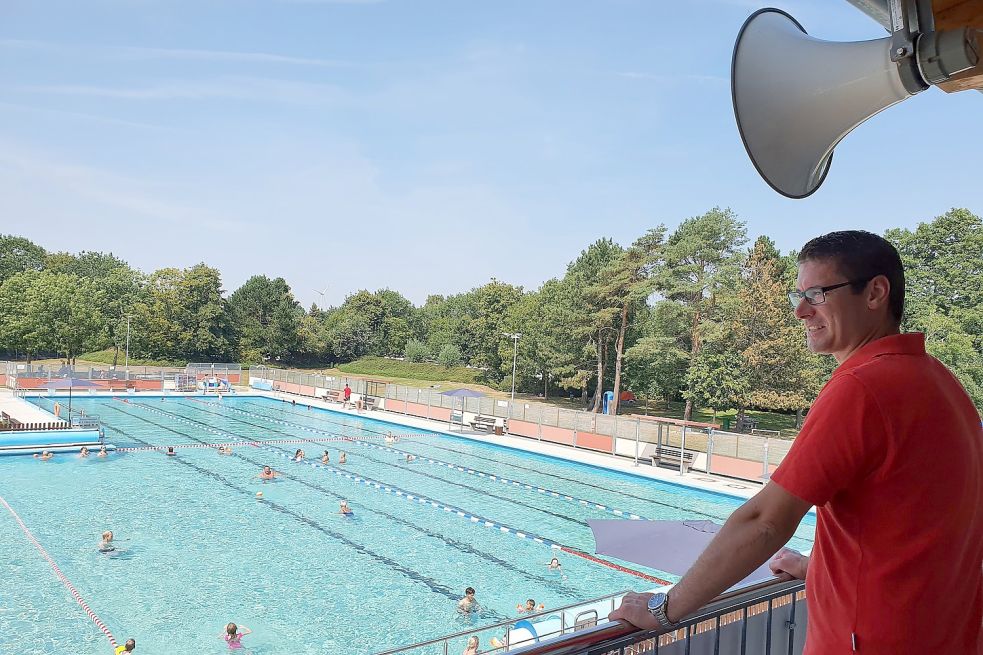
347,395
891,454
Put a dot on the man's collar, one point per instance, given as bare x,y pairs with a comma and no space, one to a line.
911,343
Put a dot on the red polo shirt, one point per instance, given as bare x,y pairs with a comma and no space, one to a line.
891,454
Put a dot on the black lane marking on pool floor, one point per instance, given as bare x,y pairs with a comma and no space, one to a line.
513,465
383,485
482,492
453,543
430,583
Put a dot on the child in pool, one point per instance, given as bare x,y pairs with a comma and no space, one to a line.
234,634
345,510
325,458
106,545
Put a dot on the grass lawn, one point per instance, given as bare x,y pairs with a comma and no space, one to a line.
426,375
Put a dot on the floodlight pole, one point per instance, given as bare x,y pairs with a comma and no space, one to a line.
126,361
515,356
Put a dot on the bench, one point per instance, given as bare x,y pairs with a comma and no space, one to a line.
487,423
673,457
746,424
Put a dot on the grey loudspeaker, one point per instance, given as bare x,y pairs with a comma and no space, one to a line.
796,97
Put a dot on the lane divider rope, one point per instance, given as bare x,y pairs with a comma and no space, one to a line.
464,514
61,576
473,518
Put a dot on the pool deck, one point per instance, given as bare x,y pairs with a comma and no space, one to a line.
23,411
695,479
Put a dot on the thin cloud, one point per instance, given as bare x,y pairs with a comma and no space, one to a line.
82,116
240,88
136,52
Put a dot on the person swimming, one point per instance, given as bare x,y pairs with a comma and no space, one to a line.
325,458
233,635
554,565
170,451
342,458
225,450
128,647
299,455
84,452
529,607
106,545
468,604
472,646
344,509
267,474
410,458
102,451
46,455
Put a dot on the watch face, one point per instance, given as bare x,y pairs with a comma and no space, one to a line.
657,600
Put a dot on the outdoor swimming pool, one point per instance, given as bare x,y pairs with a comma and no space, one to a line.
200,550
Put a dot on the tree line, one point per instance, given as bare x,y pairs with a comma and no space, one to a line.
698,315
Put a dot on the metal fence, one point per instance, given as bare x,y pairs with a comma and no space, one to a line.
633,436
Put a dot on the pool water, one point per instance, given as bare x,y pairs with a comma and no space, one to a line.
197,549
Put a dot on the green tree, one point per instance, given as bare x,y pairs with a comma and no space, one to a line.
449,355
656,363
416,351
18,254
702,260
623,287
593,326
267,319
774,359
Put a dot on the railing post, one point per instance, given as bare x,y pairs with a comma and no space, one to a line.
764,461
638,423
682,452
709,449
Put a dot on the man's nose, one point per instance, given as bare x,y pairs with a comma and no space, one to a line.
803,309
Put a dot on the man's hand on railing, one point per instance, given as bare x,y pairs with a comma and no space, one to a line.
790,563
634,610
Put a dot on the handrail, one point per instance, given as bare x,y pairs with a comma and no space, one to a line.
500,624
725,602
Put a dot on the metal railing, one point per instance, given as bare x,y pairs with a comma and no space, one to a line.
633,437
768,618
567,619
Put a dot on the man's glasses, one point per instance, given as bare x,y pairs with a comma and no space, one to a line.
817,295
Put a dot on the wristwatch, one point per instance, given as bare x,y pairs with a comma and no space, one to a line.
658,605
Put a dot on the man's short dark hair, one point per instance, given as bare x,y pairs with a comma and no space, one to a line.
861,255
469,590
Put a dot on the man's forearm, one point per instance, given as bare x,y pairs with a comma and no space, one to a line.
744,542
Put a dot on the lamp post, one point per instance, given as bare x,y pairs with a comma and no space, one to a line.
515,355
126,360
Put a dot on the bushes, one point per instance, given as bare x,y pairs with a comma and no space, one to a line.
450,355
416,351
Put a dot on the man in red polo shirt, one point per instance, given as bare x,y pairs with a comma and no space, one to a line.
891,455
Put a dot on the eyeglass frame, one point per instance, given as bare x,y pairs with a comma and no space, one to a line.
796,297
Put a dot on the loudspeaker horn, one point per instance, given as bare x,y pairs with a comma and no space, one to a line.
796,97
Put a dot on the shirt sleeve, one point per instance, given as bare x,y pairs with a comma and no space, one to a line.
838,445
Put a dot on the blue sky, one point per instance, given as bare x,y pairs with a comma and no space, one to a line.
421,145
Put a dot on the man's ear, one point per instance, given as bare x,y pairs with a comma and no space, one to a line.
878,292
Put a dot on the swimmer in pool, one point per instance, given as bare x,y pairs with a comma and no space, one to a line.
472,646
128,647
84,452
299,455
410,458
389,438
468,604
102,451
225,450
170,451
267,474
233,635
344,509
106,545
554,565
46,455
529,607
342,458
